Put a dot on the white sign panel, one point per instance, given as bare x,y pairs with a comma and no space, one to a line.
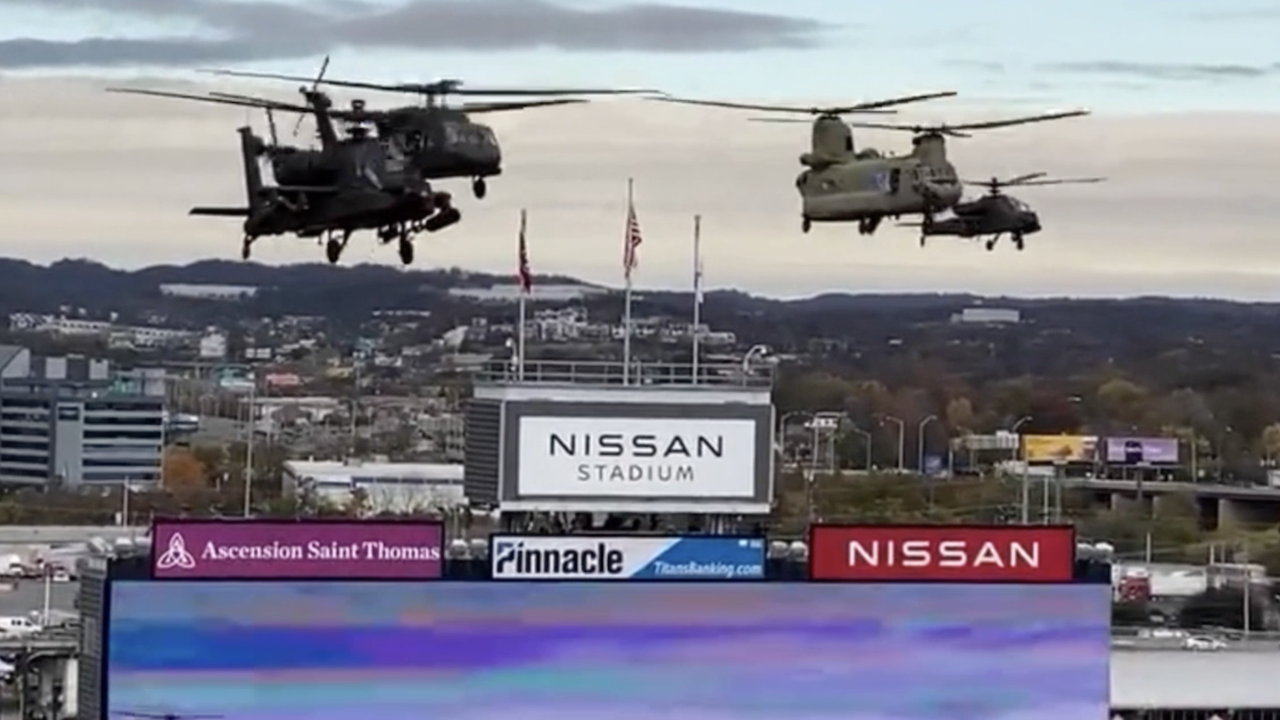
637,457
538,557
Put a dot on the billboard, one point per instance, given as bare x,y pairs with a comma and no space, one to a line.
594,557
585,457
943,553
228,549
1059,448
333,650
1138,451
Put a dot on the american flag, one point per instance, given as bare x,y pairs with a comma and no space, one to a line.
631,243
523,274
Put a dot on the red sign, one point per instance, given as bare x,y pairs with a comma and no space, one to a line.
942,553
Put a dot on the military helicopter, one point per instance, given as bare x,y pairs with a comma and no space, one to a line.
868,187
443,141
350,183
995,213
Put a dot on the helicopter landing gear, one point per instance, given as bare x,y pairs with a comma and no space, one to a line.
1017,241
246,247
479,188
406,250
868,226
334,246
991,245
922,239
806,225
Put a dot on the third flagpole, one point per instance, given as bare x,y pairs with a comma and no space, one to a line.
697,294
524,293
628,263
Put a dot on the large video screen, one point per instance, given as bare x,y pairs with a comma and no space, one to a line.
615,651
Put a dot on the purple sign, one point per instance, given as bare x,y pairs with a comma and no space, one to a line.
230,550
1139,451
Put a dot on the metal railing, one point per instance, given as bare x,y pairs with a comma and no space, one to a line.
718,376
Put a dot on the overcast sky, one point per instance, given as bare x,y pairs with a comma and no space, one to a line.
1184,127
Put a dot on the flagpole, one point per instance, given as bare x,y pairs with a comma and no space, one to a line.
524,296
626,313
697,293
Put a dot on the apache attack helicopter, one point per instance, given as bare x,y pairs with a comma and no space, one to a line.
350,183
995,213
441,139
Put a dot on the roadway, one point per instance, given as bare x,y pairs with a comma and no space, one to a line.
66,534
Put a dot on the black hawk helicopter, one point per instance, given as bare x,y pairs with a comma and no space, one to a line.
995,213
350,183
441,139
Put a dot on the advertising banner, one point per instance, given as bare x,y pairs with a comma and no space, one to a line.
1137,451
1059,448
637,457
943,553
586,557
229,549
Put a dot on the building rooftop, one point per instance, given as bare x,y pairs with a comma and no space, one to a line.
712,375
373,471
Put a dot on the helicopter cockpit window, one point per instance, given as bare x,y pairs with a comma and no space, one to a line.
468,134
413,141
1019,205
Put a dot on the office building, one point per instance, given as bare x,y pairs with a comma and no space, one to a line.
75,421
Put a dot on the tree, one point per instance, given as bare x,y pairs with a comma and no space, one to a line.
182,471
1271,442
959,414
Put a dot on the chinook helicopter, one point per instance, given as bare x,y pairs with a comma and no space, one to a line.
995,213
442,140
350,183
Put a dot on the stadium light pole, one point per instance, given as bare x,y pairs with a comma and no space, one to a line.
1026,471
781,438
902,438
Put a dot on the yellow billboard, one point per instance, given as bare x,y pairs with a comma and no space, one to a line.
1059,448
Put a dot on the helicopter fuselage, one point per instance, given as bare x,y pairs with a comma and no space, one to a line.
442,143
877,187
988,215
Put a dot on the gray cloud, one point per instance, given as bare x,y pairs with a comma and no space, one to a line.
255,30
1167,71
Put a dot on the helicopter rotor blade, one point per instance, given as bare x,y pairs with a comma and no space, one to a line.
959,130
917,129
874,107
315,86
1023,178
217,99
492,107
440,87
789,121
1063,181
1009,122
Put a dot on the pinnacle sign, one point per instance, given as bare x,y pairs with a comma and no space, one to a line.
231,550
